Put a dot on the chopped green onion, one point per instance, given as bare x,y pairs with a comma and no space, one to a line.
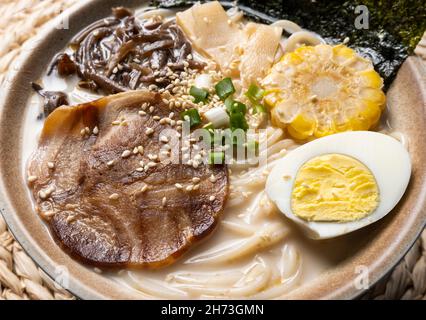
200,95
239,107
254,92
218,117
224,88
259,108
255,95
192,116
235,106
228,103
216,158
238,121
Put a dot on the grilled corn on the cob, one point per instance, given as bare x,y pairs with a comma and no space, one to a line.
321,90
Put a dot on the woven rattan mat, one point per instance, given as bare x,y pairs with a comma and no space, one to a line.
19,276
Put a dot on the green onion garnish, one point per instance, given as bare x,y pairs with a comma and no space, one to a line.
228,103
254,92
192,116
238,121
259,108
200,95
224,88
216,157
255,95
235,106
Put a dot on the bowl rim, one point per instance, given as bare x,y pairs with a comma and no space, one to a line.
76,286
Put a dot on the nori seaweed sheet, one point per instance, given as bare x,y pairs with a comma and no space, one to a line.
395,26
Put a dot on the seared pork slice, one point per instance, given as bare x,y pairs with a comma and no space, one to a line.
108,200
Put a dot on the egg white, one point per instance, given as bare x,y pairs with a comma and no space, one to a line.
385,156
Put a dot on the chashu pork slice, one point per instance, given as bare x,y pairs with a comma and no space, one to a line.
108,201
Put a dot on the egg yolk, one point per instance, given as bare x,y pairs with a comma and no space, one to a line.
334,187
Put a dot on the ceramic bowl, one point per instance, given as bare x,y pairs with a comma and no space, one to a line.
383,244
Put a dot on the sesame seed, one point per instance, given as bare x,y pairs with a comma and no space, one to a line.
95,130
152,157
196,187
32,178
196,179
126,153
164,139
87,129
178,186
151,109
110,163
156,118
212,198
115,70
82,132
51,165
189,188
151,164
115,123
212,179
149,131
144,188
139,169
163,201
114,196
142,113
140,149
44,194
135,150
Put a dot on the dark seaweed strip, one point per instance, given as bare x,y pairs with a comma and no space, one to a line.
394,30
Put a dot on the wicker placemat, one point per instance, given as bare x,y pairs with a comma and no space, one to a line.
19,276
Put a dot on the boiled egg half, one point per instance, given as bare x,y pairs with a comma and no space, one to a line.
340,183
